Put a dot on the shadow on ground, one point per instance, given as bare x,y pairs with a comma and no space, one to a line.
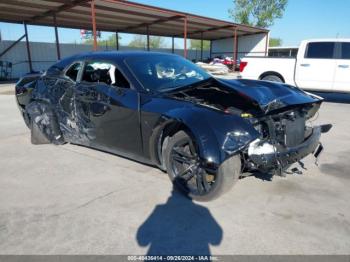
179,227
339,168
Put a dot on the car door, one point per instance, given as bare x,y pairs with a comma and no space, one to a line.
342,69
107,105
64,89
315,68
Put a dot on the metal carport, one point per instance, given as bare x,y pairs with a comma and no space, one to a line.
121,16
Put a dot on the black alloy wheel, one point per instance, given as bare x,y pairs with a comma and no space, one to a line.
186,171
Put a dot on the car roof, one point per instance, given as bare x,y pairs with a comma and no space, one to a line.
118,55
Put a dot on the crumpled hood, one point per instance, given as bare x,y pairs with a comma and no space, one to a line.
268,95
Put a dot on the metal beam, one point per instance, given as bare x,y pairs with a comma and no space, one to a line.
117,40
124,11
147,32
93,18
144,7
209,30
139,13
185,36
227,37
12,45
135,18
266,43
201,46
56,10
211,49
158,21
25,4
57,40
173,45
235,48
169,12
28,49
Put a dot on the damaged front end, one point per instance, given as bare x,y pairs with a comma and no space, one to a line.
285,138
280,115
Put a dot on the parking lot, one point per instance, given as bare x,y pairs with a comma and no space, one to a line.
74,200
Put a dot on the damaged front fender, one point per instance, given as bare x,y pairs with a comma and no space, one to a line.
211,130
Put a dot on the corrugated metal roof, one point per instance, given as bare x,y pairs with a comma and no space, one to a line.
120,16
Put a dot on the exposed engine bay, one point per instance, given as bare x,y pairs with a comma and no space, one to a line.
282,128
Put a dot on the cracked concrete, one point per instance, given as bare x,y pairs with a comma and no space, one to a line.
74,200
84,204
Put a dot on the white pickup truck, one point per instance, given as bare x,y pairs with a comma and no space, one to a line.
322,65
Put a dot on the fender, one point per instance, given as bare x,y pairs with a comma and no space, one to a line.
207,126
24,88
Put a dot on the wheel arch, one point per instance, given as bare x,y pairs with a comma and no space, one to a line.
208,129
166,129
272,73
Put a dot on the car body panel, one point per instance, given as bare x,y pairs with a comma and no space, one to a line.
209,127
264,93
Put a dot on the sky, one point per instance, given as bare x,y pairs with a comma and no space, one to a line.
303,19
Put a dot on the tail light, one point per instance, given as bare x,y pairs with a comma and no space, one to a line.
242,65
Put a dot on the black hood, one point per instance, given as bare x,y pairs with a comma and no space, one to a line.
270,96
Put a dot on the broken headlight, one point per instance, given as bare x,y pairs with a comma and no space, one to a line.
236,140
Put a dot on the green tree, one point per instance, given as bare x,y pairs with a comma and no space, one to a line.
275,42
110,41
196,44
140,41
156,42
261,13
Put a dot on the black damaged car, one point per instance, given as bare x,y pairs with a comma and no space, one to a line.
163,110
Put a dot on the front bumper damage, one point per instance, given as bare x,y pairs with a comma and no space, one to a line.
266,156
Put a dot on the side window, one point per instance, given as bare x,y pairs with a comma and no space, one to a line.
73,71
345,50
323,50
103,72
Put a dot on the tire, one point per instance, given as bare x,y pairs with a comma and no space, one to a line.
198,183
272,78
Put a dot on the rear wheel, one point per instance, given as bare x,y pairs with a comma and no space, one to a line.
272,78
190,177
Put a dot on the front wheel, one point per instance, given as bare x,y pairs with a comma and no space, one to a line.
190,177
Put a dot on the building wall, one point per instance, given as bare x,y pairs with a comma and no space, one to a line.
247,46
44,54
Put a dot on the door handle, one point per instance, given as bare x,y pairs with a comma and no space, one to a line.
305,65
343,66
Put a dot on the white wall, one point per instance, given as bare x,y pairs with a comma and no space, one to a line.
247,46
44,54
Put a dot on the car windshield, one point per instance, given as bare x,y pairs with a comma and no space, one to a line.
162,73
